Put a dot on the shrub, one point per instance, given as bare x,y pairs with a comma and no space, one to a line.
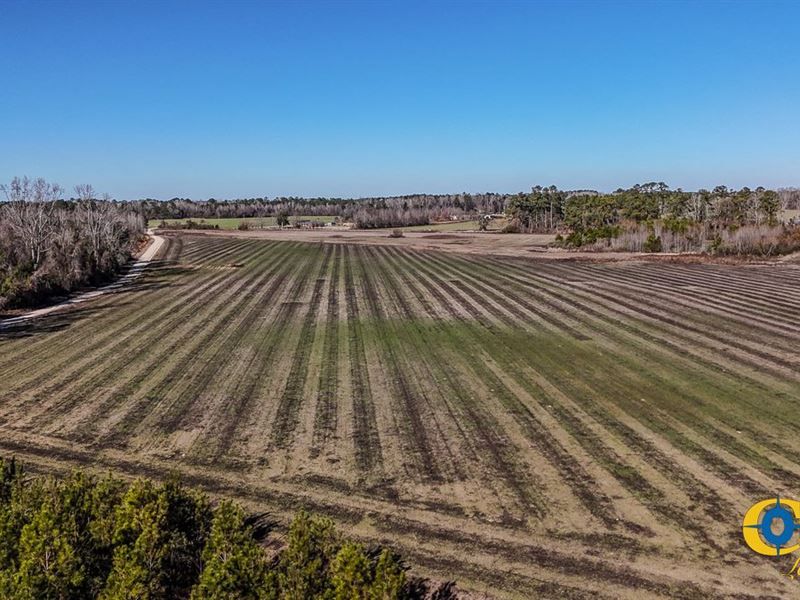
574,239
652,243
89,537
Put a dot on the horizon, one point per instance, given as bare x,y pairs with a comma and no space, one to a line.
370,100
67,193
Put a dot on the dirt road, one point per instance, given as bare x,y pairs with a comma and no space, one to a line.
135,270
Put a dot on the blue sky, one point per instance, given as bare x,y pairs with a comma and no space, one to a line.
212,99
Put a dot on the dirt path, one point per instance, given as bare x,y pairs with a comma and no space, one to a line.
135,270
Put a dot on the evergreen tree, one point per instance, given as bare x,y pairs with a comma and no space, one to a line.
351,573
389,582
49,563
234,566
303,567
84,537
141,545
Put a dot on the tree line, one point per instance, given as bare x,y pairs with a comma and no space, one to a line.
365,213
98,537
654,218
50,246
542,210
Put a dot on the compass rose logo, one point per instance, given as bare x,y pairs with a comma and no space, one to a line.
769,527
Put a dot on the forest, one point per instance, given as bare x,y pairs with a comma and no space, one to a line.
49,246
84,536
653,218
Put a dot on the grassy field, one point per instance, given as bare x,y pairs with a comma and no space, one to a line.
494,225
449,226
233,223
529,428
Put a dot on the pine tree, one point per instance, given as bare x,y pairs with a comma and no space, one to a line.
49,565
389,582
303,567
351,573
141,545
234,566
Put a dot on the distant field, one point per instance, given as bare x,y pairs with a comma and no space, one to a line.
233,223
494,225
528,428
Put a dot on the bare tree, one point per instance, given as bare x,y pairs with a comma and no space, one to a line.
90,218
30,214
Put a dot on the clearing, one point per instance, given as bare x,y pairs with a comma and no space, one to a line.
232,223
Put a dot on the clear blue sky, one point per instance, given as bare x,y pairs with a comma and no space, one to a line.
349,98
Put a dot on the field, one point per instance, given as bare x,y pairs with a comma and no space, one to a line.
531,428
233,223
494,225
449,226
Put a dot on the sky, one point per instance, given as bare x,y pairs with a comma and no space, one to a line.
351,99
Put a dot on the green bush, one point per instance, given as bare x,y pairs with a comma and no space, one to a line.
652,243
88,537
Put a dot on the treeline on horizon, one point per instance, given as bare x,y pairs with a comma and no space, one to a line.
84,536
543,209
50,245
364,213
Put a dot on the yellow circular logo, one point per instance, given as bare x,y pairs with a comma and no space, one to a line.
769,526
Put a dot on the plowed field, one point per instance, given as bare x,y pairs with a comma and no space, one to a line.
528,428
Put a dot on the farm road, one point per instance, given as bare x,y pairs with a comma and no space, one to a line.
135,270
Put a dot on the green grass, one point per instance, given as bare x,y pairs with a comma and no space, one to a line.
494,225
233,223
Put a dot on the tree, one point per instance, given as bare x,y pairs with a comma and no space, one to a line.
234,566
282,219
50,560
141,545
30,214
769,206
84,537
351,573
303,567
48,246
389,582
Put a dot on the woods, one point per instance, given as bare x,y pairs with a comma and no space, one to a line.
50,246
653,218
650,217
88,537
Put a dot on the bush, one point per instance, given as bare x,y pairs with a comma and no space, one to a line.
396,233
653,243
574,239
89,537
